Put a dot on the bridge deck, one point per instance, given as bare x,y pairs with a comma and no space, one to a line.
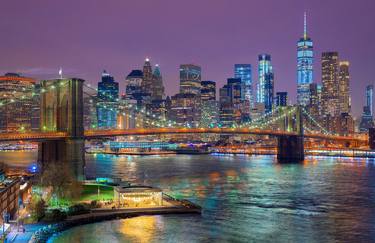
92,134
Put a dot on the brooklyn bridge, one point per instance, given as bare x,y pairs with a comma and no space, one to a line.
62,135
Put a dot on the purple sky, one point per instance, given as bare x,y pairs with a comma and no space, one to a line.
87,36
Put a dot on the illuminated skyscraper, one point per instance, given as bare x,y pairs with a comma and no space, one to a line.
281,99
226,115
208,90
157,90
190,79
16,103
344,91
230,103
314,100
209,107
367,115
269,92
35,110
330,89
108,88
305,57
133,84
265,86
370,99
90,118
147,77
235,90
108,98
243,71
185,111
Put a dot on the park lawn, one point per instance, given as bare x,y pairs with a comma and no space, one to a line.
90,193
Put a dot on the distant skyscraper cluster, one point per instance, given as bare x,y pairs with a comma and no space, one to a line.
335,98
143,103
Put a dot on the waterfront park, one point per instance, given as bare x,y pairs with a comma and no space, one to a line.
56,201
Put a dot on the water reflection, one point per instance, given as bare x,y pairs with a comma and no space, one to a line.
140,229
245,198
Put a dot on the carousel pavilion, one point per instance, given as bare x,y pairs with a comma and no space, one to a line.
137,196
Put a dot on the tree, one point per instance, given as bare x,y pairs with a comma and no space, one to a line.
37,207
59,178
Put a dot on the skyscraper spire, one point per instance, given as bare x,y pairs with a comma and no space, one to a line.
304,26
305,58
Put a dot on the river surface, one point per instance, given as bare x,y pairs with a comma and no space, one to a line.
244,199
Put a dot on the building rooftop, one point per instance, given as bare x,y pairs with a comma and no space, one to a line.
136,188
135,74
7,182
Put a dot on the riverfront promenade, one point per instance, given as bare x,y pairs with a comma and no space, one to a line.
23,237
93,217
98,215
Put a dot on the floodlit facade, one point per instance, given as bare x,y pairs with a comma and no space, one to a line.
330,88
344,88
17,103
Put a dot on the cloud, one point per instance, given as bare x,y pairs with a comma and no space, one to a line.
42,72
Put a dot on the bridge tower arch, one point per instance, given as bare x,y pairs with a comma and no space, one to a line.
62,111
290,148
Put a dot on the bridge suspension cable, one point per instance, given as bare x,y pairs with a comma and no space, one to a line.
28,94
152,119
311,118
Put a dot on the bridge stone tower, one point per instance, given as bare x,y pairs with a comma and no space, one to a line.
62,111
371,138
290,148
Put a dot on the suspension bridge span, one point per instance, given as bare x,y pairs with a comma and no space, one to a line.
62,136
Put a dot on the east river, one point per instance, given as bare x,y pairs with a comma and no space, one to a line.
244,199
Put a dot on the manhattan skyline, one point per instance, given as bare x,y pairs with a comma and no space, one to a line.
87,38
